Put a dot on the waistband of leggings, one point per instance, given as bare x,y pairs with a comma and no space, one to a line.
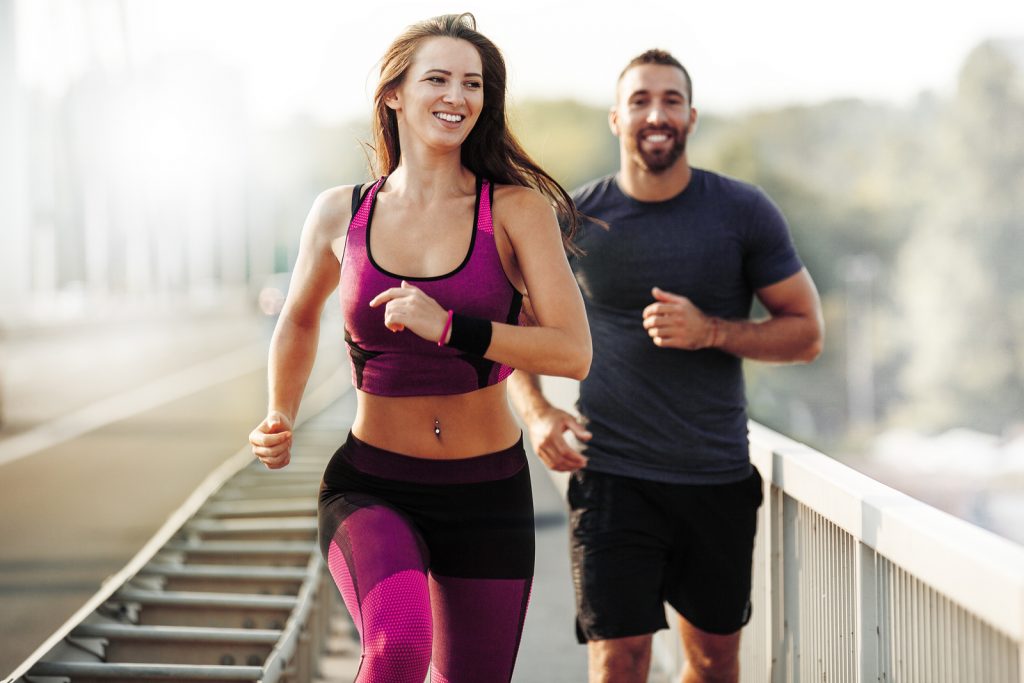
378,462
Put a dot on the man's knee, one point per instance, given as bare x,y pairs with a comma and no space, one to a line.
715,667
711,658
619,659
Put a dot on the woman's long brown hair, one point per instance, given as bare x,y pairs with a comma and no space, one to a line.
491,150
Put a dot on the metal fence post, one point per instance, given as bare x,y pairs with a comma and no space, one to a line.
867,615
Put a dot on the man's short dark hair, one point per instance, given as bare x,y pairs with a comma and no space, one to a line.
664,58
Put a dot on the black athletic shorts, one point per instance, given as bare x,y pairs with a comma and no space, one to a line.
637,543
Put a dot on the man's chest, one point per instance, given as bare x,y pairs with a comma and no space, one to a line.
698,256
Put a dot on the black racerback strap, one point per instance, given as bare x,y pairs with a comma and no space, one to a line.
356,196
356,201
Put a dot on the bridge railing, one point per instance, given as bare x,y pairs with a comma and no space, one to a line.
854,581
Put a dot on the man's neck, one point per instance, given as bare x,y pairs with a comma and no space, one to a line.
645,186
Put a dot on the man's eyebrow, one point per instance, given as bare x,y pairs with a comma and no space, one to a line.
671,91
449,73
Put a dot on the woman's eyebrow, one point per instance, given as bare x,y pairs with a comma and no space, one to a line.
446,72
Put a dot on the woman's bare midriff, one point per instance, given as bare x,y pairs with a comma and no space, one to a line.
475,423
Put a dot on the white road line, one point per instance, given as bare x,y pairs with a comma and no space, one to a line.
164,390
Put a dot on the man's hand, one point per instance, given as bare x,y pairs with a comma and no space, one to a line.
547,432
673,321
272,440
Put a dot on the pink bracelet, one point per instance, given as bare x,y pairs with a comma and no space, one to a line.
447,326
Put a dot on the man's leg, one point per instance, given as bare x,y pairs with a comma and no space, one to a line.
713,575
619,660
619,544
710,658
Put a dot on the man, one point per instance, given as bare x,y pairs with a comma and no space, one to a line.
663,496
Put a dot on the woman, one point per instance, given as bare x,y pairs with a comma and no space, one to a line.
426,516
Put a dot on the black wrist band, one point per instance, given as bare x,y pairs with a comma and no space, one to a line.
472,335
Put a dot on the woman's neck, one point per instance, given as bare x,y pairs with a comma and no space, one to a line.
436,177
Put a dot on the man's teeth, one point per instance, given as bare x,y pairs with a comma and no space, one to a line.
454,118
657,137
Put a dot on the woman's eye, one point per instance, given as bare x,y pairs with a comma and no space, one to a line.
475,85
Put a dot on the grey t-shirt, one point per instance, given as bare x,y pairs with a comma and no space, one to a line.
668,414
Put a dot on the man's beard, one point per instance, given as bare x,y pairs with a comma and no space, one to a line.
658,162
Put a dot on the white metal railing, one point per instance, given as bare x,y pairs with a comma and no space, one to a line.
854,581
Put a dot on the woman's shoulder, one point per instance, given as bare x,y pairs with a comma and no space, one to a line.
332,210
521,211
335,200
512,199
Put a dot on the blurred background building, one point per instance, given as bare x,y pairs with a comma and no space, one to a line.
125,182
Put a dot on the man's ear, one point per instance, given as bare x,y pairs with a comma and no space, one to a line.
613,121
693,120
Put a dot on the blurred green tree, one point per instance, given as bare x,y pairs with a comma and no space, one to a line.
960,283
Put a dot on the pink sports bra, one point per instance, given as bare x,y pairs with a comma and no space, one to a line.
402,364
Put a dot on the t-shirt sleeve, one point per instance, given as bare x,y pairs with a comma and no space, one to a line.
769,253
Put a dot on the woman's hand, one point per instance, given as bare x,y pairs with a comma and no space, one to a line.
272,440
408,308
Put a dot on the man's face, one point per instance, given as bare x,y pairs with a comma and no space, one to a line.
652,116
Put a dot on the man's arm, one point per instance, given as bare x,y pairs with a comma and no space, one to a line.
545,423
793,333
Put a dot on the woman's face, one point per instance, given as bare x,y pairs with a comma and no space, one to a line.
441,97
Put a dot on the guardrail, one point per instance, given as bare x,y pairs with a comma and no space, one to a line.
232,587
854,581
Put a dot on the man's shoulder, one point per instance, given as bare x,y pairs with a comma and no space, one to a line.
594,192
747,205
735,188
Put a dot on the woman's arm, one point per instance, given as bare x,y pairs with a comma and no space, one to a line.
558,343
294,343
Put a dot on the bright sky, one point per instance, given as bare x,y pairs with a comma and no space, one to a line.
319,56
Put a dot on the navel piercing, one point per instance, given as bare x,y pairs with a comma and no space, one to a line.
437,428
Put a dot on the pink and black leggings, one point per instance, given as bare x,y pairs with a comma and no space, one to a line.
433,558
